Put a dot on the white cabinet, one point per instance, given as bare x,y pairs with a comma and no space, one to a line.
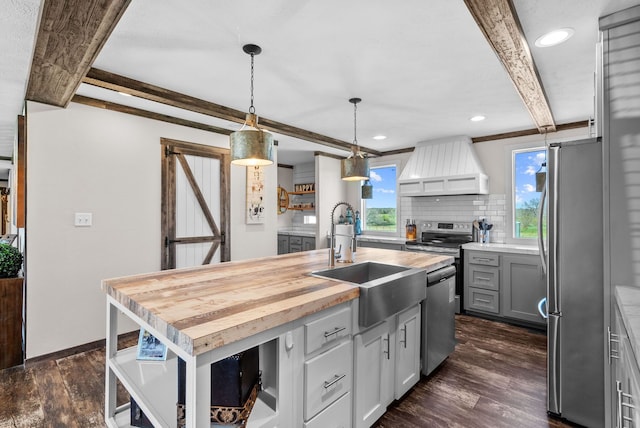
328,368
374,368
625,376
387,364
407,363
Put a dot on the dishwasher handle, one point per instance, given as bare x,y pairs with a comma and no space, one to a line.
440,275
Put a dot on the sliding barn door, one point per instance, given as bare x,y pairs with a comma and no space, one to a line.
195,204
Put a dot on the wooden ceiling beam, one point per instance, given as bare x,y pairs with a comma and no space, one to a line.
106,80
107,105
500,25
70,36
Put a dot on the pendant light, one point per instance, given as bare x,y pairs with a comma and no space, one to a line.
367,190
251,146
356,166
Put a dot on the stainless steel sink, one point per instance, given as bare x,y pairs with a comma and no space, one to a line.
384,289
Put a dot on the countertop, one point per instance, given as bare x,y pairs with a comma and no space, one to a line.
382,238
628,300
502,248
297,232
207,307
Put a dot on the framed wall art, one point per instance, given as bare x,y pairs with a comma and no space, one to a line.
255,195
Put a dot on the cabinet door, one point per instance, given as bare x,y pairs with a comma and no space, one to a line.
283,244
373,374
407,367
308,243
630,395
523,287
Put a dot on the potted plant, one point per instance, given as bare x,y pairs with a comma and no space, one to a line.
10,306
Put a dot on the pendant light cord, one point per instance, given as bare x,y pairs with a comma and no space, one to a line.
355,119
252,109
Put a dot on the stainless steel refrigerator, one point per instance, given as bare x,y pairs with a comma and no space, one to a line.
574,264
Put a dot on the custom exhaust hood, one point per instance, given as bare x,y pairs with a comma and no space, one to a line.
446,166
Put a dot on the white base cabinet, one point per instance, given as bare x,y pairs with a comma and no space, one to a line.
407,364
315,372
625,376
387,364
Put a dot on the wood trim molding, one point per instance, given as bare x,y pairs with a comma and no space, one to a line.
168,97
500,25
21,175
107,105
70,36
532,131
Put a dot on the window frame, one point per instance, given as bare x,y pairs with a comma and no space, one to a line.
384,164
510,154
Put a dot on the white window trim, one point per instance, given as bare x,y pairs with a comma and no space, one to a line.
508,181
382,163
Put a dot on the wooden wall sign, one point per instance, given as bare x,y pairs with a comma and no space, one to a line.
255,195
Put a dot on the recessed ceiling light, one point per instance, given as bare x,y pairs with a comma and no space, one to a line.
477,118
554,37
379,137
124,94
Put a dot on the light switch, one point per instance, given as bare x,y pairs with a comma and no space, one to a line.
83,219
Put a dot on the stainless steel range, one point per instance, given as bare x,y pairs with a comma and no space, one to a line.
444,237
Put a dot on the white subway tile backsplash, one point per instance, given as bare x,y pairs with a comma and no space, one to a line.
463,208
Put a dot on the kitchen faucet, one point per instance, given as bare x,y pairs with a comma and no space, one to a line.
332,240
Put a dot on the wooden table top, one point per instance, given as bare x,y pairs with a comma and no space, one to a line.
206,307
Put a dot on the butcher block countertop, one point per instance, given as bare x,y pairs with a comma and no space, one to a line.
207,307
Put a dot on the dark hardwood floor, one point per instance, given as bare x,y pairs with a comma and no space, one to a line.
495,378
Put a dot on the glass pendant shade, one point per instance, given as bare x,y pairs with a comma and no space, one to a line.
367,190
251,147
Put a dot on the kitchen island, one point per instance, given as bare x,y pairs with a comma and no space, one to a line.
207,313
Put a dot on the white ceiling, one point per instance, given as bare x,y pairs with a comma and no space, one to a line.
422,68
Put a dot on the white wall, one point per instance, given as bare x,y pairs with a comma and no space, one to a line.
330,189
84,159
492,154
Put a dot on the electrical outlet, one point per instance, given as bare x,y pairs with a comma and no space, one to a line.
83,219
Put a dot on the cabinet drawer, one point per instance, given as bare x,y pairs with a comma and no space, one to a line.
295,248
295,240
484,277
487,259
337,415
483,300
327,377
327,330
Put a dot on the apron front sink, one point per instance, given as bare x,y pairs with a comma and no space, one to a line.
384,289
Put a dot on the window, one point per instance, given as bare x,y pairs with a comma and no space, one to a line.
525,199
380,213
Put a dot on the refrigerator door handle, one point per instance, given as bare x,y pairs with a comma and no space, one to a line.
542,302
543,256
553,365
553,185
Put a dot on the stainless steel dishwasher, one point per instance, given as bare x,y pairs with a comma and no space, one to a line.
438,318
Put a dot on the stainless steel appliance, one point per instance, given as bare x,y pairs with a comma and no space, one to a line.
574,260
438,318
444,237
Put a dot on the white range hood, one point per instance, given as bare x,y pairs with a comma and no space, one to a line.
446,166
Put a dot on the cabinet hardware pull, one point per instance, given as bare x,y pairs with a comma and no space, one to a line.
404,341
613,353
336,379
482,278
482,259
336,330
483,300
388,350
619,404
